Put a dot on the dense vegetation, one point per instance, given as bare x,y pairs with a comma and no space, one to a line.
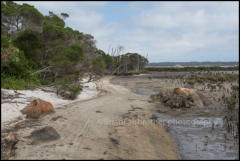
41,50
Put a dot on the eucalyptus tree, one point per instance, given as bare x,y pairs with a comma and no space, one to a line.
17,18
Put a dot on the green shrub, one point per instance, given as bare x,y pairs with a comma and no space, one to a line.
68,55
98,65
74,91
4,41
15,63
67,89
31,45
191,82
44,82
13,83
18,83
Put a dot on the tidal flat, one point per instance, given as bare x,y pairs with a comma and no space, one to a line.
200,133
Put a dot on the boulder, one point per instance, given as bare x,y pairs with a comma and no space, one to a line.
36,108
180,98
44,134
190,94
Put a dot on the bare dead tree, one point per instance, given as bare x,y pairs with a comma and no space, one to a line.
119,49
109,50
138,63
116,52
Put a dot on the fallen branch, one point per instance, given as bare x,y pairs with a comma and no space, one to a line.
49,85
5,95
45,90
17,93
7,101
116,69
42,70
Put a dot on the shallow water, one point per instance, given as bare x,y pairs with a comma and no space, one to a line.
199,134
200,137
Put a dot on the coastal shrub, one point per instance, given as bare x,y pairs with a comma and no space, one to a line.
68,55
14,63
4,41
68,86
191,81
232,101
31,44
211,78
98,65
69,91
137,71
19,83
13,83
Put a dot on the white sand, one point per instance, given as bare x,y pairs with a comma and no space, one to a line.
11,111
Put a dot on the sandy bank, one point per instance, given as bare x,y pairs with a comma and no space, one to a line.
11,111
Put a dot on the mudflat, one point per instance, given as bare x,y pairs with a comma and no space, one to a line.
209,132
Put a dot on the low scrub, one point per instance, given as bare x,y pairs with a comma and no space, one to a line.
211,78
19,83
67,89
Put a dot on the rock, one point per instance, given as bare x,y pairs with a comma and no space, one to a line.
47,133
8,143
36,108
180,98
191,95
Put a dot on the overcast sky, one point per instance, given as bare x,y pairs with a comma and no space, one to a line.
167,31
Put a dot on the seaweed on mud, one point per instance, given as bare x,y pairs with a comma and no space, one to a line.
114,141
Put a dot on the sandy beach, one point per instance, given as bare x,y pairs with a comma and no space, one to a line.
103,127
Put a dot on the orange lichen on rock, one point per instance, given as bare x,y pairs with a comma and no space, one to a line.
186,92
37,107
183,91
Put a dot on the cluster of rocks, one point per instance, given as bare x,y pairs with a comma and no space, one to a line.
174,101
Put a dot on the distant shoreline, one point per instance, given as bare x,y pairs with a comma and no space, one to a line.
190,66
193,64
